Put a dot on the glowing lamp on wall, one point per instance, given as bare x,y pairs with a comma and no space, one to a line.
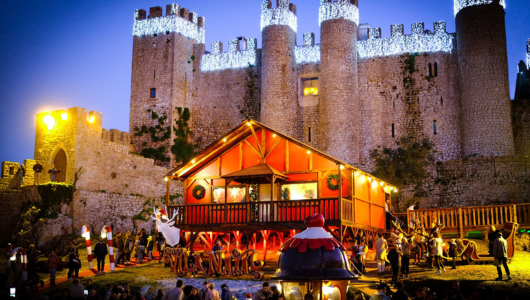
92,119
49,121
363,179
166,179
395,190
64,116
374,184
310,90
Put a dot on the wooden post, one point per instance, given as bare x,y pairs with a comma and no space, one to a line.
272,198
460,224
227,182
340,199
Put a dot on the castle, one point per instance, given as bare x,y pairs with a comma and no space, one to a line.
352,93
366,91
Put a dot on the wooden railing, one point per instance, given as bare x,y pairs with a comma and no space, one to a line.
255,212
471,218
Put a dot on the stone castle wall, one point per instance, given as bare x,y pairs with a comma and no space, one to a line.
477,181
12,203
521,126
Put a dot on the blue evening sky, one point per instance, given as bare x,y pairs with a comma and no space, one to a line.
66,53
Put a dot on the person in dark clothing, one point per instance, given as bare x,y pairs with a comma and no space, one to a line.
21,173
72,254
149,248
226,293
101,252
53,171
217,246
186,290
492,235
400,294
500,253
141,248
194,294
37,170
453,252
159,242
394,256
275,293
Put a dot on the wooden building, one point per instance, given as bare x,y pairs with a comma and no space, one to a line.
273,180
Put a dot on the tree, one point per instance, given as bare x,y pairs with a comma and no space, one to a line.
28,226
404,165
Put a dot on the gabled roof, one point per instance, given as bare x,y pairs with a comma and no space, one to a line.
232,138
261,173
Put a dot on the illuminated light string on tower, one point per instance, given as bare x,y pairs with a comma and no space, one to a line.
278,16
234,59
307,54
460,4
171,23
528,54
440,41
340,9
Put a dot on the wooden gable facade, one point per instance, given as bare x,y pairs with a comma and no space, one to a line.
304,181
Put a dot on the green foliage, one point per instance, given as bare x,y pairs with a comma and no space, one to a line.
286,194
28,225
158,133
157,154
178,197
404,165
144,214
182,149
53,196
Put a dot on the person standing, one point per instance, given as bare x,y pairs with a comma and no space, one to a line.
72,253
149,248
128,245
453,252
203,290
388,215
405,260
52,263
212,294
437,252
53,171
101,252
394,256
492,235
264,293
159,243
380,252
20,174
37,169
226,293
500,253
141,249
118,245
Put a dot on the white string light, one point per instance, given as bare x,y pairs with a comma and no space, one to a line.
171,23
460,4
278,16
307,54
231,60
340,9
309,39
440,41
528,54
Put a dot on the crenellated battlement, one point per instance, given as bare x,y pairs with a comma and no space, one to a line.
116,136
242,52
338,9
420,40
177,19
309,52
461,4
283,14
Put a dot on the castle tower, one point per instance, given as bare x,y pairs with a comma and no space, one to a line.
340,124
162,73
279,100
484,89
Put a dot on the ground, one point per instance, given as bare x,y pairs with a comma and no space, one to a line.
149,277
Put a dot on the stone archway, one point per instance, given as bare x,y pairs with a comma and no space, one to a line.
60,162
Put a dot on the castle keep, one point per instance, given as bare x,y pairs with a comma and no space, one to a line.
366,91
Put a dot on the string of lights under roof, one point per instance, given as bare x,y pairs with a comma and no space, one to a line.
460,4
171,23
278,16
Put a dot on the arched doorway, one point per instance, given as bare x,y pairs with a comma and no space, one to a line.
60,163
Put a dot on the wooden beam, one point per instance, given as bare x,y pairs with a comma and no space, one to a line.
340,194
256,138
167,191
274,146
253,148
286,156
263,145
240,156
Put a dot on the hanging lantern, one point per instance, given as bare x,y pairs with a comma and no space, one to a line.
311,91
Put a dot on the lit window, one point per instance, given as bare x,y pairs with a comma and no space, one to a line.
309,86
299,191
435,127
153,93
236,194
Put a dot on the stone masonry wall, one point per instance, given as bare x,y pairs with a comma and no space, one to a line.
310,109
386,99
223,99
11,204
477,181
521,126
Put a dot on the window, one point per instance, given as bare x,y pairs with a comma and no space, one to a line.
309,134
299,191
393,133
430,70
309,86
435,69
236,194
441,101
435,127
154,74
394,105
11,170
153,93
